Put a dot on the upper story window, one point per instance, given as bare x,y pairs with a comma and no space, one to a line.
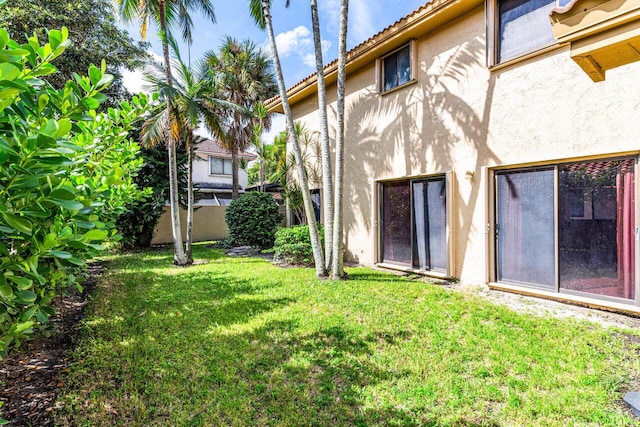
519,27
396,68
220,166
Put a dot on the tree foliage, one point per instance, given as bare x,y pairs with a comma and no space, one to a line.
293,245
246,77
93,33
66,173
253,219
137,224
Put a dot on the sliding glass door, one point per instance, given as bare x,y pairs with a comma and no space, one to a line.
597,225
525,227
396,222
414,223
587,209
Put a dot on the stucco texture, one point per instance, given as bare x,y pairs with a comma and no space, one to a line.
461,117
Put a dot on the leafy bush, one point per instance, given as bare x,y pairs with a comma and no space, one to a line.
65,176
293,245
253,219
137,224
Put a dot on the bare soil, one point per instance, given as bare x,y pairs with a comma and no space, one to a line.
31,375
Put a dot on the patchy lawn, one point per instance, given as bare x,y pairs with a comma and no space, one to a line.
237,341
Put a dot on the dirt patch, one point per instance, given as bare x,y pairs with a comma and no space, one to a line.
548,308
31,376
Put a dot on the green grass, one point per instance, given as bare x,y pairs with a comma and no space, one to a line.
242,342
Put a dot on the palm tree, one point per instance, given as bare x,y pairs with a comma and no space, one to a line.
261,113
261,12
246,77
190,101
166,14
337,269
327,178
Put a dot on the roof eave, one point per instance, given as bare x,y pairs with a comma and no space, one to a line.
415,25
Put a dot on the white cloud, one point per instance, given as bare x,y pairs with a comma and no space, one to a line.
309,60
326,45
298,43
361,20
293,41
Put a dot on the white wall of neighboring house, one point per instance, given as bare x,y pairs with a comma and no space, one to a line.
201,173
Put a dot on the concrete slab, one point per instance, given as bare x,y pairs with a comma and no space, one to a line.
633,400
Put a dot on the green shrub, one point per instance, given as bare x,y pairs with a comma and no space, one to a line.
65,176
253,219
293,245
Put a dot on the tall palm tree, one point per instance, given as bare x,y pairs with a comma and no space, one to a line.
327,177
261,12
190,101
246,77
166,14
337,270
261,113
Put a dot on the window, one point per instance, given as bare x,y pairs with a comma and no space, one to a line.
220,166
396,69
586,209
316,200
414,223
299,217
519,27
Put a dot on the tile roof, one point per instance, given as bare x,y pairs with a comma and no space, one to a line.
429,8
210,148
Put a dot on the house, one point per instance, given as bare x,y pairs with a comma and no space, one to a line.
495,142
212,182
212,177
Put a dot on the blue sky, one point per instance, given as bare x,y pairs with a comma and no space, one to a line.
293,31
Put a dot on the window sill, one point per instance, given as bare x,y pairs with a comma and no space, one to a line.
402,86
615,307
525,57
429,273
219,175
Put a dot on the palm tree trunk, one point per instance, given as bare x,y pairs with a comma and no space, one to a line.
234,171
327,178
189,199
302,175
337,270
179,256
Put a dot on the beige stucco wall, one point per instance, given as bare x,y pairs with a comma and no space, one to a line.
461,117
208,224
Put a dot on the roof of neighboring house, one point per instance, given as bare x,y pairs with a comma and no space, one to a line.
209,148
416,24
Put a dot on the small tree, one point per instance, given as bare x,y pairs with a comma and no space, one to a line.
66,174
253,219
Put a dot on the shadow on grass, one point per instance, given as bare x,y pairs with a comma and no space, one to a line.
307,379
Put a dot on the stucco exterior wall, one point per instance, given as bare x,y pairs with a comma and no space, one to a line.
208,224
461,117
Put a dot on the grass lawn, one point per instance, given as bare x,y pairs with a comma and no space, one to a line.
242,342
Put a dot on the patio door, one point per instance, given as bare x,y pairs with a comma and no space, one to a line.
568,228
525,227
414,223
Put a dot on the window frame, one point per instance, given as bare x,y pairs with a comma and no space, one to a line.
380,69
224,162
490,175
493,34
449,181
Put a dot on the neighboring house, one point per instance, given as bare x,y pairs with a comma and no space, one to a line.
212,183
485,144
212,173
